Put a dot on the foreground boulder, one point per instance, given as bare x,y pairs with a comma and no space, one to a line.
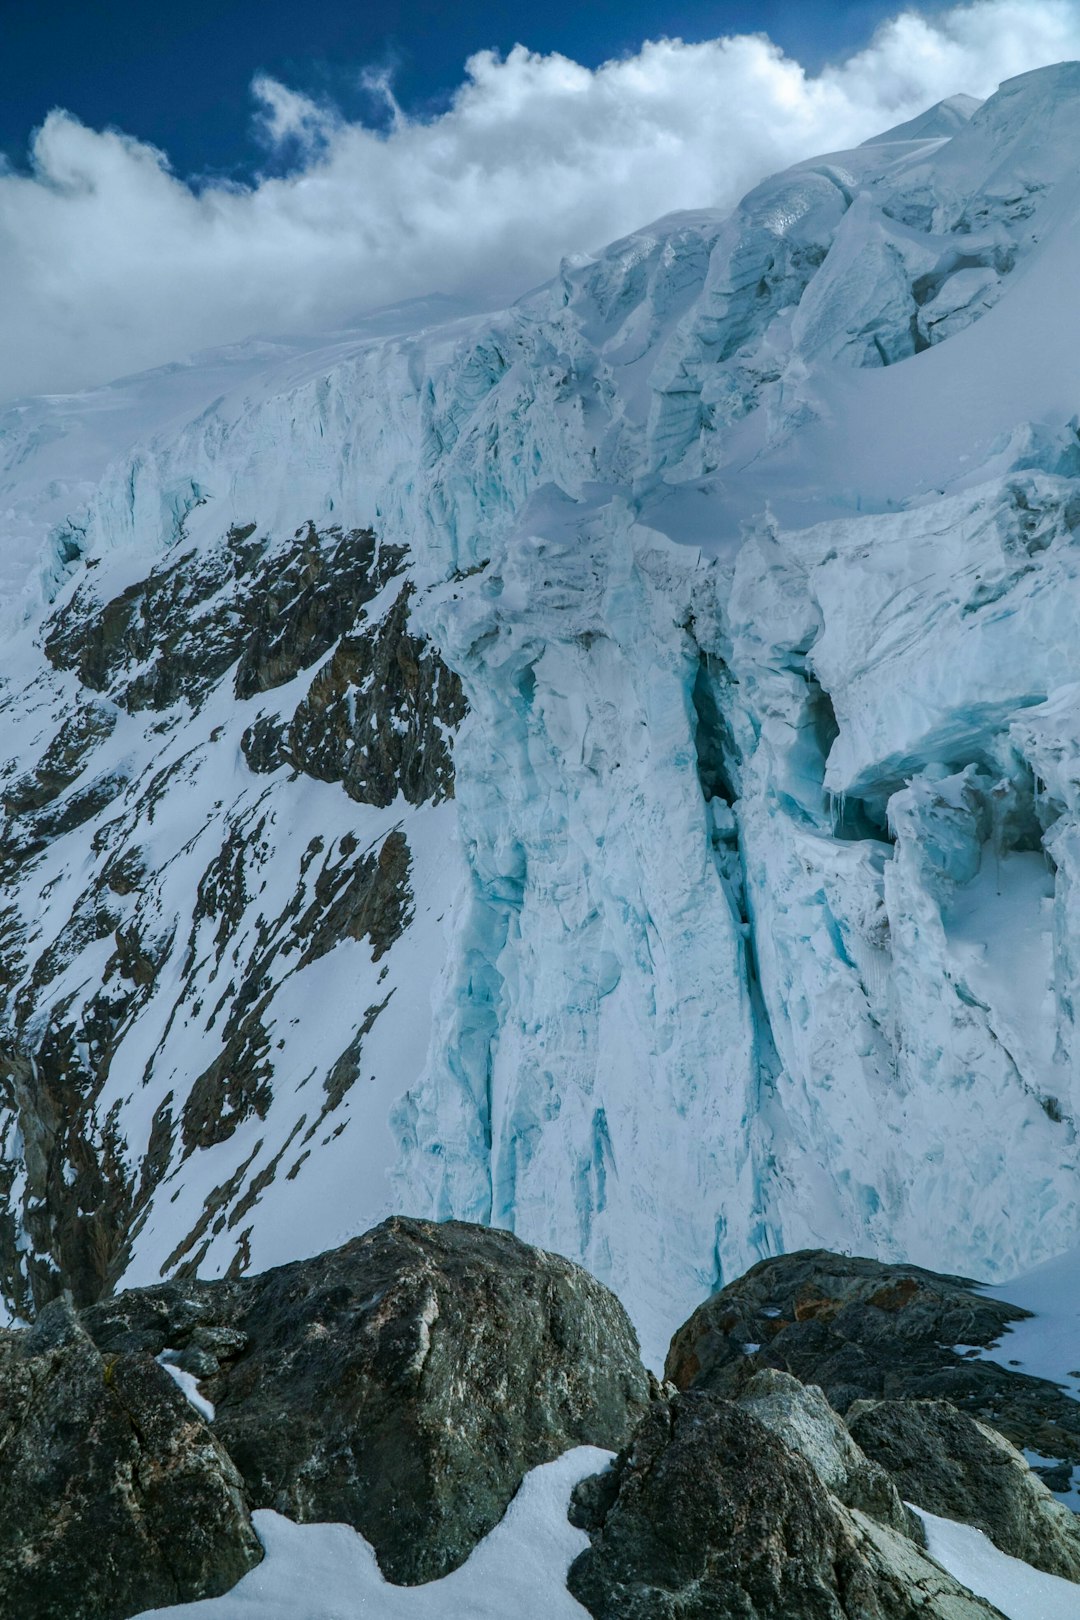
114,1495
861,1329
806,1423
957,1468
708,1515
402,1384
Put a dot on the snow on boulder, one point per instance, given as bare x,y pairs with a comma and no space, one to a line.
862,1330
951,1465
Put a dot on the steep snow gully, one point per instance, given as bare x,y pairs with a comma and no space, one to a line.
738,569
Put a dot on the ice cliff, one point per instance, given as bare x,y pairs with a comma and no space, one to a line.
737,570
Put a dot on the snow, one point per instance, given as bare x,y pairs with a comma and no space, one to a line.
1018,1590
1046,1345
329,1572
188,1383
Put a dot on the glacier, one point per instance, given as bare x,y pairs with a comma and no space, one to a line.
744,554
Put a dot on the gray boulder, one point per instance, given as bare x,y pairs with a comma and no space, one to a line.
806,1423
708,1515
402,1384
114,1495
957,1468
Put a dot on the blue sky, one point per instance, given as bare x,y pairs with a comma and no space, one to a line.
180,177
178,75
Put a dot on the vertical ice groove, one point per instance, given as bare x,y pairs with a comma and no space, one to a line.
623,1069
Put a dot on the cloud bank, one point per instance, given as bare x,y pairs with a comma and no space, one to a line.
110,263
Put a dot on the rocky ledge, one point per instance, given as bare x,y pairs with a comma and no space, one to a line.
406,1382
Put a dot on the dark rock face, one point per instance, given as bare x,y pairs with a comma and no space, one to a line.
62,761
705,1501
950,1465
375,717
708,1515
307,639
403,1383
865,1330
271,610
114,1495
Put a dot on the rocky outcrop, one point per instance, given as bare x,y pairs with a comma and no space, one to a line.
403,1383
708,1515
270,609
376,718
803,1419
947,1463
60,764
863,1330
114,1495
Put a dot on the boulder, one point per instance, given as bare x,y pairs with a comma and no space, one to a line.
402,1384
806,1423
114,1495
948,1464
864,1330
708,1515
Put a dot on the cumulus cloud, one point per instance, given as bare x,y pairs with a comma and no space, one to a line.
109,262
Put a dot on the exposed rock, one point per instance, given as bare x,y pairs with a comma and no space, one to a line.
62,761
957,1468
861,1329
376,717
170,635
305,601
24,837
75,1163
804,1420
114,1495
272,610
907,1582
708,1515
363,898
404,1383
354,894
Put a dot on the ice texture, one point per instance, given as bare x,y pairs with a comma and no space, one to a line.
753,541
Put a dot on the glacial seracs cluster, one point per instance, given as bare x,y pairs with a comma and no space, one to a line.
737,570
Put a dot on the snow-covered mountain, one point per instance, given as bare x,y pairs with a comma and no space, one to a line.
608,768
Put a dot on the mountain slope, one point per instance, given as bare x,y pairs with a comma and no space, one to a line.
736,570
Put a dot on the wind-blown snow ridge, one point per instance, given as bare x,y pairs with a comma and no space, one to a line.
752,543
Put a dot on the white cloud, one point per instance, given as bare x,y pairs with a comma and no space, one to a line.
285,115
108,262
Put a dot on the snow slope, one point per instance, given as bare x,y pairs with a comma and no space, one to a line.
753,923
1045,1345
329,1572
1018,1590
